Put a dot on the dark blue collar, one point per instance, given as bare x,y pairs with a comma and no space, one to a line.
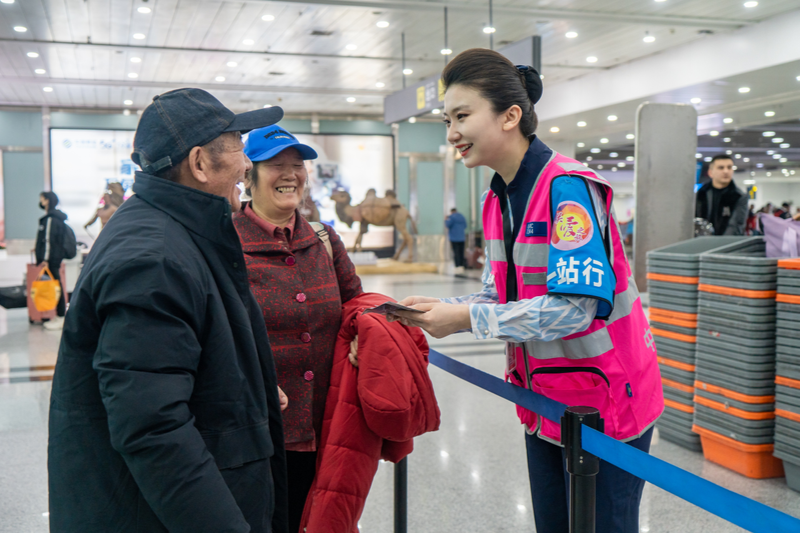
519,190
202,213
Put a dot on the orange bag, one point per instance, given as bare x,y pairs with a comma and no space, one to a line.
45,293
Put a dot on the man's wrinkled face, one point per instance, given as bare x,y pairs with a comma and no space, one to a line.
228,169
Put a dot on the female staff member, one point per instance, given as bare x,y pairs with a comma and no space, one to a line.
301,283
557,286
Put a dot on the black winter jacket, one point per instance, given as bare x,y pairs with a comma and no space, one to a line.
731,216
50,237
164,414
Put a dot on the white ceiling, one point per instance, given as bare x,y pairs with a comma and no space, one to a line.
86,46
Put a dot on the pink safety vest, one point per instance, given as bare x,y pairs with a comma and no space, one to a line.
612,365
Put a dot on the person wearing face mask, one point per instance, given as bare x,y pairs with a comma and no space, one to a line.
50,250
557,287
300,276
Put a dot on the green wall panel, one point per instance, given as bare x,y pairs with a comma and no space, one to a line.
430,195
422,137
87,121
401,181
462,191
363,127
23,180
20,128
295,126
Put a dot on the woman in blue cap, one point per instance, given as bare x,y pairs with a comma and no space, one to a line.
300,276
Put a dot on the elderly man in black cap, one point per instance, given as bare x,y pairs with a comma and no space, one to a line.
164,413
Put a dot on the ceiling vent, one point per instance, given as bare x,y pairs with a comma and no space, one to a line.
276,73
320,33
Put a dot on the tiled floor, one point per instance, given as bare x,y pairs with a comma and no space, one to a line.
470,476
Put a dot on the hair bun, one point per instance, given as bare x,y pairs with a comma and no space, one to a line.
533,82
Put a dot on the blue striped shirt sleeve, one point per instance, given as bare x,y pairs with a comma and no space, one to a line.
544,318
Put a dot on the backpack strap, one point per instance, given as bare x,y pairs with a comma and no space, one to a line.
322,233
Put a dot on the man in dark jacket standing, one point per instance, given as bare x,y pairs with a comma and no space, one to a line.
719,201
164,413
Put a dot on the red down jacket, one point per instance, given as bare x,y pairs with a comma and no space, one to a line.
371,413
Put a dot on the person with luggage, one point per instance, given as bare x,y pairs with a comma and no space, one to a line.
557,287
51,249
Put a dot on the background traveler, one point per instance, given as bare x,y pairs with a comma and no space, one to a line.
164,412
300,285
568,308
456,228
51,248
720,201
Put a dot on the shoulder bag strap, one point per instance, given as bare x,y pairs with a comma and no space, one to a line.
322,233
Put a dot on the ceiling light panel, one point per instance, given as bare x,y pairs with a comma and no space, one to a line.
615,43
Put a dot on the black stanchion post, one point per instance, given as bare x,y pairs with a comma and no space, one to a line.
581,466
401,496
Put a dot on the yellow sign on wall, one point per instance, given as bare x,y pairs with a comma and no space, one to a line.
441,91
421,97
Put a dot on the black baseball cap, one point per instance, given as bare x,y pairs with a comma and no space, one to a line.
179,120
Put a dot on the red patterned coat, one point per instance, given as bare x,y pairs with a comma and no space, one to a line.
301,292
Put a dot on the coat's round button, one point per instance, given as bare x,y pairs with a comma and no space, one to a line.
305,337
301,297
290,260
308,376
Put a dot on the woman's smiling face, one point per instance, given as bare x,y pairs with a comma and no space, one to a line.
473,126
279,187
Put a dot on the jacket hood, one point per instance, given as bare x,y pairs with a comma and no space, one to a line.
57,214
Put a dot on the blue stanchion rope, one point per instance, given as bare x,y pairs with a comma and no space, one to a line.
735,508
541,405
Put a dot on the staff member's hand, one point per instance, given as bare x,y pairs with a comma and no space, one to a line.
439,319
414,300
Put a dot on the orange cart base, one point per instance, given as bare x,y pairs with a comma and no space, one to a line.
752,460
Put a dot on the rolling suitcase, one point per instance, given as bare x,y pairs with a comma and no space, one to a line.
34,315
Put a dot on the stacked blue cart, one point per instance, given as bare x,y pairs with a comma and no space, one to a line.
787,379
673,274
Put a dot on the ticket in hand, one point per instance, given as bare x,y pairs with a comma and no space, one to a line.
390,308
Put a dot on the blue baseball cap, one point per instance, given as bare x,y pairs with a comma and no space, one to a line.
266,143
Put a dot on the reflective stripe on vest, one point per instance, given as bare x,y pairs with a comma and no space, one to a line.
496,249
590,345
525,254
578,167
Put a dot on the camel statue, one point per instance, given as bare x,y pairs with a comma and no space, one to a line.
387,211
